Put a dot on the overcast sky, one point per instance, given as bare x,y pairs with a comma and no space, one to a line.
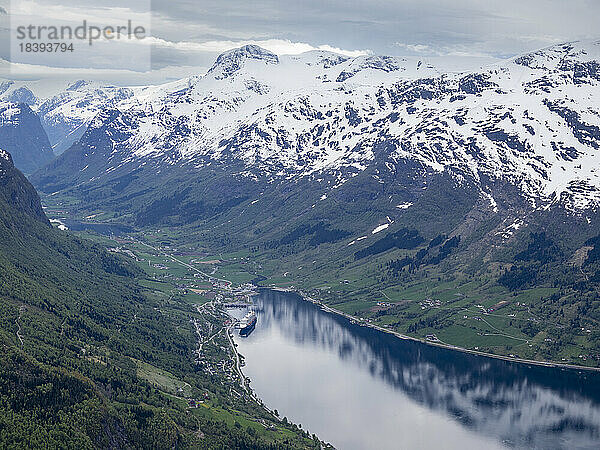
187,35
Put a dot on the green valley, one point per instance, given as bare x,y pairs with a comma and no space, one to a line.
94,354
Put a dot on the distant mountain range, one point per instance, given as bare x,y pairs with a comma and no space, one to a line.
517,138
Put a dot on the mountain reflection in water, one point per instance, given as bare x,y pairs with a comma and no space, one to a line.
361,388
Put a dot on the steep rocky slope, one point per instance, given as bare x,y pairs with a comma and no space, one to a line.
22,135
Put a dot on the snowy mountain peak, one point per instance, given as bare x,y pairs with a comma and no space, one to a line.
5,155
532,121
233,60
21,95
321,58
5,85
78,85
561,56
385,64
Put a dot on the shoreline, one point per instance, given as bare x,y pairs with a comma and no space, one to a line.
531,362
245,380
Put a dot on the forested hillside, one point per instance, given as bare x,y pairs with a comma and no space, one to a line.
76,326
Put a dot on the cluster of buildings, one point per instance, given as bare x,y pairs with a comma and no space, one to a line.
497,306
430,303
195,403
124,251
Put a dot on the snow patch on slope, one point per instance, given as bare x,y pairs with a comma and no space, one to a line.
380,228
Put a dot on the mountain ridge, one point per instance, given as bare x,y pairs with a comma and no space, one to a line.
476,123
22,135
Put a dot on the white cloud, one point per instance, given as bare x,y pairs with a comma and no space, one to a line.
277,46
191,34
30,11
64,75
474,50
416,48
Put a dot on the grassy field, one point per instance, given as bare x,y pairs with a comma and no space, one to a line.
163,380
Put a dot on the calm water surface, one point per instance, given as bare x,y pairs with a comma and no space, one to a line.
362,389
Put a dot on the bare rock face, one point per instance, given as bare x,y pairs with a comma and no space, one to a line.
233,60
22,134
16,191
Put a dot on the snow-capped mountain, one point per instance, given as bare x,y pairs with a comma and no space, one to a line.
67,109
64,110
21,134
533,121
65,116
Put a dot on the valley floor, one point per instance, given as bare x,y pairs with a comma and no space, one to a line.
469,315
180,277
